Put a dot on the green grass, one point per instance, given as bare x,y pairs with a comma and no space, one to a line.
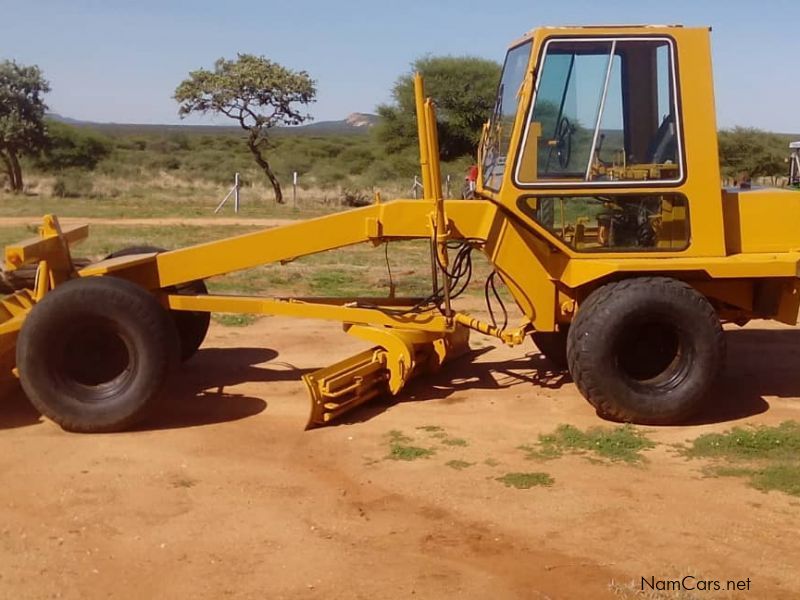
524,481
619,444
235,320
768,457
459,465
779,442
400,448
455,442
430,428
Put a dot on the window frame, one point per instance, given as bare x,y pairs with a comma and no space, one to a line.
573,184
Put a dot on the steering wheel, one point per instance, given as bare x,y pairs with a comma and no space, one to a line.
564,133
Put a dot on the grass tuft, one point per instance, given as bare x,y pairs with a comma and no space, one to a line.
459,465
768,457
624,443
455,442
780,442
400,449
235,320
524,481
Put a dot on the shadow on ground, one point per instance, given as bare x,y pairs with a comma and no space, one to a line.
761,363
196,396
466,373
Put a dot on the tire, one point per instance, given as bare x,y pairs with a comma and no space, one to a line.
94,354
645,350
553,345
25,276
192,326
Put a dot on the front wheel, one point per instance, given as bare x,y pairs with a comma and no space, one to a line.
645,350
192,326
94,354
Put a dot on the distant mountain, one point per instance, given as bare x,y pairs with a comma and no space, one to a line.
355,123
67,120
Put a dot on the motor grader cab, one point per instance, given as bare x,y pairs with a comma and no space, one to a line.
599,207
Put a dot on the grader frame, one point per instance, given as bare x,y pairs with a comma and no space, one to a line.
739,261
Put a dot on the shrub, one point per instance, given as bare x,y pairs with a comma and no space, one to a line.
73,147
355,198
72,184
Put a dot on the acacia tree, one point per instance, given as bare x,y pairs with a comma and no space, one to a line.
464,89
750,151
22,108
256,92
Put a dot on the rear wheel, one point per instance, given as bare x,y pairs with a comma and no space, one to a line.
645,350
192,326
94,354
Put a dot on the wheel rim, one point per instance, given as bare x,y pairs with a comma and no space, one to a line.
95,359
653,352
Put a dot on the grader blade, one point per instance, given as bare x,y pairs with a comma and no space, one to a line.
345,385
383,369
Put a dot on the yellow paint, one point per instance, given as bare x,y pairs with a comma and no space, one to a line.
762,220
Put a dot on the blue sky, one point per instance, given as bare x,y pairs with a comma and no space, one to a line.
121,60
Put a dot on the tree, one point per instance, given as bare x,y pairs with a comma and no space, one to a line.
256,92
22,108
69,146
750,151
464,90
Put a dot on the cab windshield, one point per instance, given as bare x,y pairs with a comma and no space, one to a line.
498,138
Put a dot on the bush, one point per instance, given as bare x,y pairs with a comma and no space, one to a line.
72,184
355,198
751,153
73,147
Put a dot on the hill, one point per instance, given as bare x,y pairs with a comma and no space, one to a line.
355,123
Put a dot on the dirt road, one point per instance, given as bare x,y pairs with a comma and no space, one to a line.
222,494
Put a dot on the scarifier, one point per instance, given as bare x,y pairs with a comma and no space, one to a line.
598,205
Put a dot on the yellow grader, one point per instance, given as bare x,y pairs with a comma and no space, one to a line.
598,205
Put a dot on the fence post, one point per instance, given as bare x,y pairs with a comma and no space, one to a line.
236,194
294,188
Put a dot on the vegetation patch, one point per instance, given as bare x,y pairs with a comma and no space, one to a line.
430,428
768,457
455,441
781,442
459,465
400,448
235,320
524,481
624,443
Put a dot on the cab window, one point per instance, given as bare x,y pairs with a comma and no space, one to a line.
614,222
604,111
501,124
